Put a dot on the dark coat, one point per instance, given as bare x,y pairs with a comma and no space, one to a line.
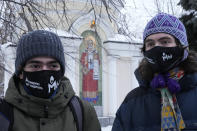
30,113
141,109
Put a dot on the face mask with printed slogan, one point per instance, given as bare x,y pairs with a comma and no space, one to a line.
162,59
43,84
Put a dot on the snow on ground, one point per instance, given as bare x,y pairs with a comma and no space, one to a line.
108,128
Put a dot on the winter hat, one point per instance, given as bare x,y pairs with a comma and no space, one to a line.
166,23
39,43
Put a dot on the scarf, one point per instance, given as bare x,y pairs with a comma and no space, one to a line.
167,84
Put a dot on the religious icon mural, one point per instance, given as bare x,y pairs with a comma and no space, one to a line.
90,68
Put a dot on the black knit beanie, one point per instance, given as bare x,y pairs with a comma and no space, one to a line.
39,43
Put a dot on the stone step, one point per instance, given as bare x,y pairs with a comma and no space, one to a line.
106,120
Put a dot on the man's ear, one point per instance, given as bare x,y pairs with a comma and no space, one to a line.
21,75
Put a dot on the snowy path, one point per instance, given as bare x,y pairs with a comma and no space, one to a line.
108,128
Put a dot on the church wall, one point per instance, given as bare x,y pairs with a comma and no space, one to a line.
74,10
105,84
123,59
71,48
100,31
119,59
124,84
9,62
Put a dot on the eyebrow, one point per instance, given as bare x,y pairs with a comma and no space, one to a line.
166,37
148,40
162,38
39,62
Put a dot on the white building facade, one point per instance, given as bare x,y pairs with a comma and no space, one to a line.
96,47
119,61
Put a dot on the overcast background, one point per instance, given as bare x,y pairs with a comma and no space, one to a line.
139,12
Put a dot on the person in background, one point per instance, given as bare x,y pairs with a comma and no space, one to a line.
166,97
39,94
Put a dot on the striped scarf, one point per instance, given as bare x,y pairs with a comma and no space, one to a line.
167,84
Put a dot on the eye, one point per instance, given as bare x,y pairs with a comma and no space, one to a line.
35,66
54,66
149,44
165,42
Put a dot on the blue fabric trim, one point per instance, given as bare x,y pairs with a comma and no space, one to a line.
91,99
4,116
27,90
54,93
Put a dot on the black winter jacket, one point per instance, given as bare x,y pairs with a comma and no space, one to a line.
141,109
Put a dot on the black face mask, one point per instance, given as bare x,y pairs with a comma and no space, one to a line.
162,59
43,84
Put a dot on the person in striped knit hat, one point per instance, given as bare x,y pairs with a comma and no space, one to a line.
167,76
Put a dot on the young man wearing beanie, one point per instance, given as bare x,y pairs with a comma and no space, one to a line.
39,96
166,97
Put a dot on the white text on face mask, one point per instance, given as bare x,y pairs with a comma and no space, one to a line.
33,84
166,56
53,84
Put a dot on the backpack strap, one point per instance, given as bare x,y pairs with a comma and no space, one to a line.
77,110
6,116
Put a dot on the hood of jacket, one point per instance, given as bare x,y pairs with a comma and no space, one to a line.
39,107
142,82
187,82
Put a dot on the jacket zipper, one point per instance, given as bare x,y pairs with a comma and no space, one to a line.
46,111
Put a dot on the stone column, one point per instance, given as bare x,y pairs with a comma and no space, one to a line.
112,96
9,63
71,49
